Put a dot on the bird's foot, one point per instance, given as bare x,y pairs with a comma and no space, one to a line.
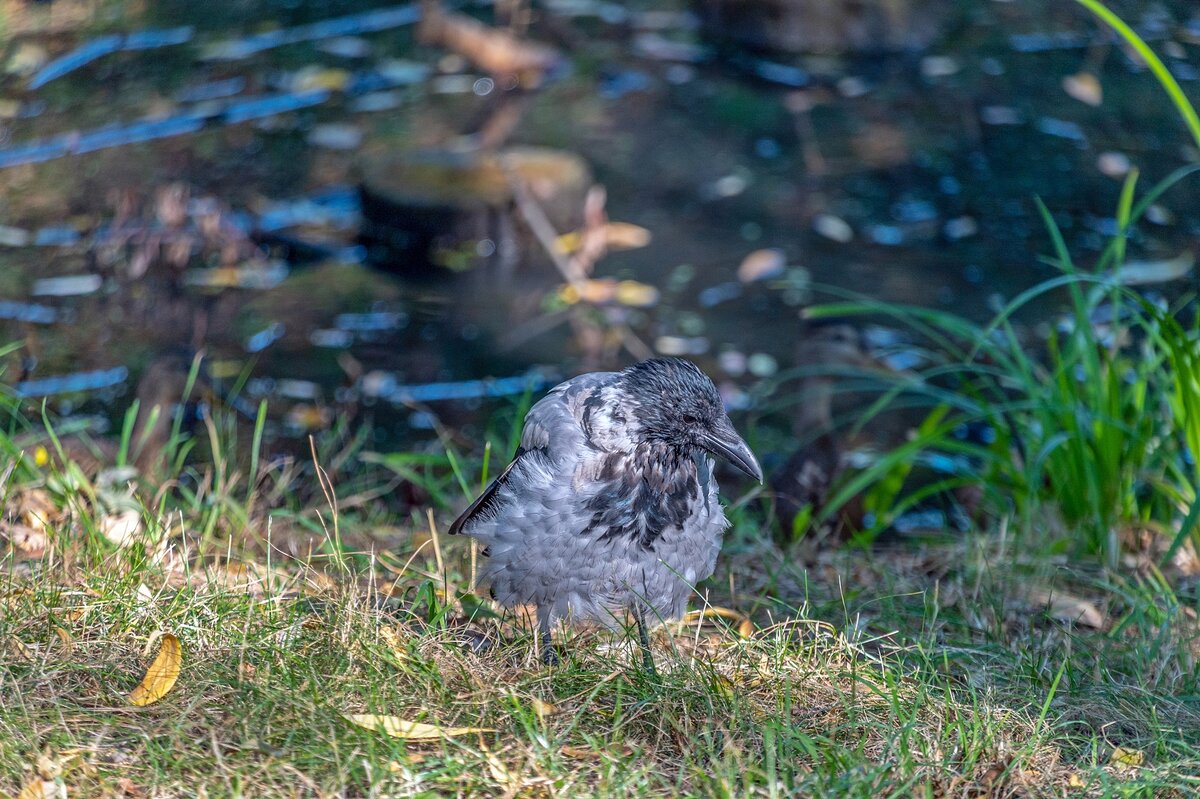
550,656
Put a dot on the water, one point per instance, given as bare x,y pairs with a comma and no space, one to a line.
161,193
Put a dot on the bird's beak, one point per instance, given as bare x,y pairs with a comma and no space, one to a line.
724,441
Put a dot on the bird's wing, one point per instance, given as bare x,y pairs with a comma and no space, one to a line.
552,430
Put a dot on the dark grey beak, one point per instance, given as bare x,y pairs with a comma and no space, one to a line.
724,442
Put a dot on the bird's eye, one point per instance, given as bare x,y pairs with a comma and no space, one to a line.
689,419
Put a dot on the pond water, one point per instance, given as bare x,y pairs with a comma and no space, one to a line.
174,180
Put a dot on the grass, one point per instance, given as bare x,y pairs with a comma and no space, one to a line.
976,686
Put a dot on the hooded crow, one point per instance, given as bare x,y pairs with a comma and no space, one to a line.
610,505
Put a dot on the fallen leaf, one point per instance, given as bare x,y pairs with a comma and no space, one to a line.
1126,758
1084,87
38,788
746,628
68,643
633,294
761,265
617,236
27,539
121,529
409,730
1076,781
1069,608
160,677
543,709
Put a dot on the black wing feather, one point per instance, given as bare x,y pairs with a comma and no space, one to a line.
487,500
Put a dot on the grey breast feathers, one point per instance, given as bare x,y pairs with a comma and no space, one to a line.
553,431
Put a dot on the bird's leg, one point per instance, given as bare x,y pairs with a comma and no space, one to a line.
549,656
639,616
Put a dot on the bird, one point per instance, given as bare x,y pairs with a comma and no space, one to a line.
610,505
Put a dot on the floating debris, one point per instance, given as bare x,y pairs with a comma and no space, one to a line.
724,187
56,236
886,235
939,66
1001,115
615,84
774,72
335,207
732,363
960,227
1062,129
259,107
384,386
27,58
852,86
351,25
73,383
331,339
14,236
761,265
617,236
265,337
105,45
658,47
374,321
398,72
1043,42
760,364
679,345
27,312
604,291
376,101
66,286
335,136
346,47
298,389
258,276
1140,273
212,90
183,123
833,228
1113,164
715,295
1084,87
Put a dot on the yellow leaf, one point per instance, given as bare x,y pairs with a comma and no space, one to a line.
68,643
568,243
1076,781
636,295
1084,87
41,456
38,788
626,236
746,628
1127,758
543,709
397,647
160,677
409,730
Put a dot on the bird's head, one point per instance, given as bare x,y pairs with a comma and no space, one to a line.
676,403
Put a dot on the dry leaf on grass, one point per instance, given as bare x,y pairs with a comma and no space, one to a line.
1068,607
409,730
26,539
38,788
745,627
1127,758
121,529
160,677
542,709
